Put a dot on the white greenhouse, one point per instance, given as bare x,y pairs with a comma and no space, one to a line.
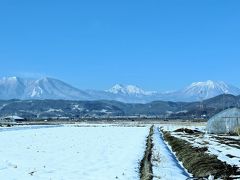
224,122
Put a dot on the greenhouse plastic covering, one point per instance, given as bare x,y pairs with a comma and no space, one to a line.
224,122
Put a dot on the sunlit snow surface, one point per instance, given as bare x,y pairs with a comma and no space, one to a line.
87,153
165,164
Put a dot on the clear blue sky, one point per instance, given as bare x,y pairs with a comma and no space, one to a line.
155,44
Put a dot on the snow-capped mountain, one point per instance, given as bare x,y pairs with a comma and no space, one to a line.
45,88
210,88
198,91
129,90
11,87
49,88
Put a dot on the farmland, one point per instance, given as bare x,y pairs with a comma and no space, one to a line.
108,151
72,152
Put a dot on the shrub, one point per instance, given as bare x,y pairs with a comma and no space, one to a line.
237,130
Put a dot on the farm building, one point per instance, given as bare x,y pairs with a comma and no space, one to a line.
224,122
13,119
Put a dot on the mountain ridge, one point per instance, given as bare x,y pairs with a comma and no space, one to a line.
44,109
51,88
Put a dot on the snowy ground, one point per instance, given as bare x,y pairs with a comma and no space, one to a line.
87,153
229,153
97,152
224,152
165,164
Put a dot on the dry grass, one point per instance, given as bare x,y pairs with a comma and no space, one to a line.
187,131
197,161
237,131
146,172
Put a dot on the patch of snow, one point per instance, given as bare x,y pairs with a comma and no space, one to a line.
104,111
37,91
3,106
76,107
55,110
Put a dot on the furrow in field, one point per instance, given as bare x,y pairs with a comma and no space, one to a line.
146,164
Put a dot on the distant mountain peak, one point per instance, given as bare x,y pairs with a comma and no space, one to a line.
116,88
210,84
209,89
44,88
128,90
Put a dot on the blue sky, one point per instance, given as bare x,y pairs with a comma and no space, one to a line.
155,44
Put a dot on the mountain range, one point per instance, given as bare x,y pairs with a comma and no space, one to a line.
50,88
58,109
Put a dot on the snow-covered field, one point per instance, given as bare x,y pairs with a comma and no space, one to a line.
99,151
226,153
229,153
68,152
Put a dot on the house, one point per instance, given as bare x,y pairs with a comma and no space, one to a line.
225,122
13,119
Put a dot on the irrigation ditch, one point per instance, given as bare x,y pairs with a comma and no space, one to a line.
146,172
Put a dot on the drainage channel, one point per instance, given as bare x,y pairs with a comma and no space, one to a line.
146,172
165,164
